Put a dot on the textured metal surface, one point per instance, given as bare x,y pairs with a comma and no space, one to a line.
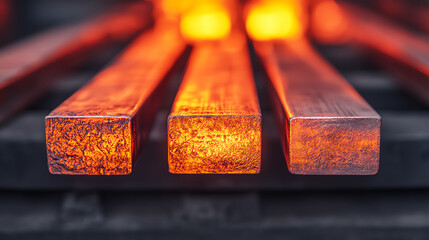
100,129
28,68
326,127
215,123
398,50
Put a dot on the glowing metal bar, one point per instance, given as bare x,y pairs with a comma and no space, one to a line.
215,123
326,127
402,53
28,68
101,128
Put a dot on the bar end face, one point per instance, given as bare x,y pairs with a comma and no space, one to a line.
89,145
334,146
228,144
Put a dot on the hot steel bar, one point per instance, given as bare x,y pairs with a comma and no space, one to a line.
101,128
215,123
326,127
404,54
28,68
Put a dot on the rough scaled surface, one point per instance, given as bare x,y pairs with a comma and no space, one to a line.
327,128
315,146
89,146
214,144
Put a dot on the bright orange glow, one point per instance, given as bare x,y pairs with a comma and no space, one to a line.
326,127
328,22
101,128
206,21
272,19
215,123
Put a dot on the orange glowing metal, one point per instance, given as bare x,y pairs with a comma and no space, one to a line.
101,128
206,21
215,123
326,127
274,19
401,52
328,22
29,67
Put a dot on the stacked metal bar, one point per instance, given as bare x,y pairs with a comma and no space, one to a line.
100,130
326,127
215,123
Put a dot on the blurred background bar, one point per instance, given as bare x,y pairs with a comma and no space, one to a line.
30,66
400,52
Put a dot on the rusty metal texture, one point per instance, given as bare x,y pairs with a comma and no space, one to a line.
29,67
215,123
101,128
399,51
326,127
